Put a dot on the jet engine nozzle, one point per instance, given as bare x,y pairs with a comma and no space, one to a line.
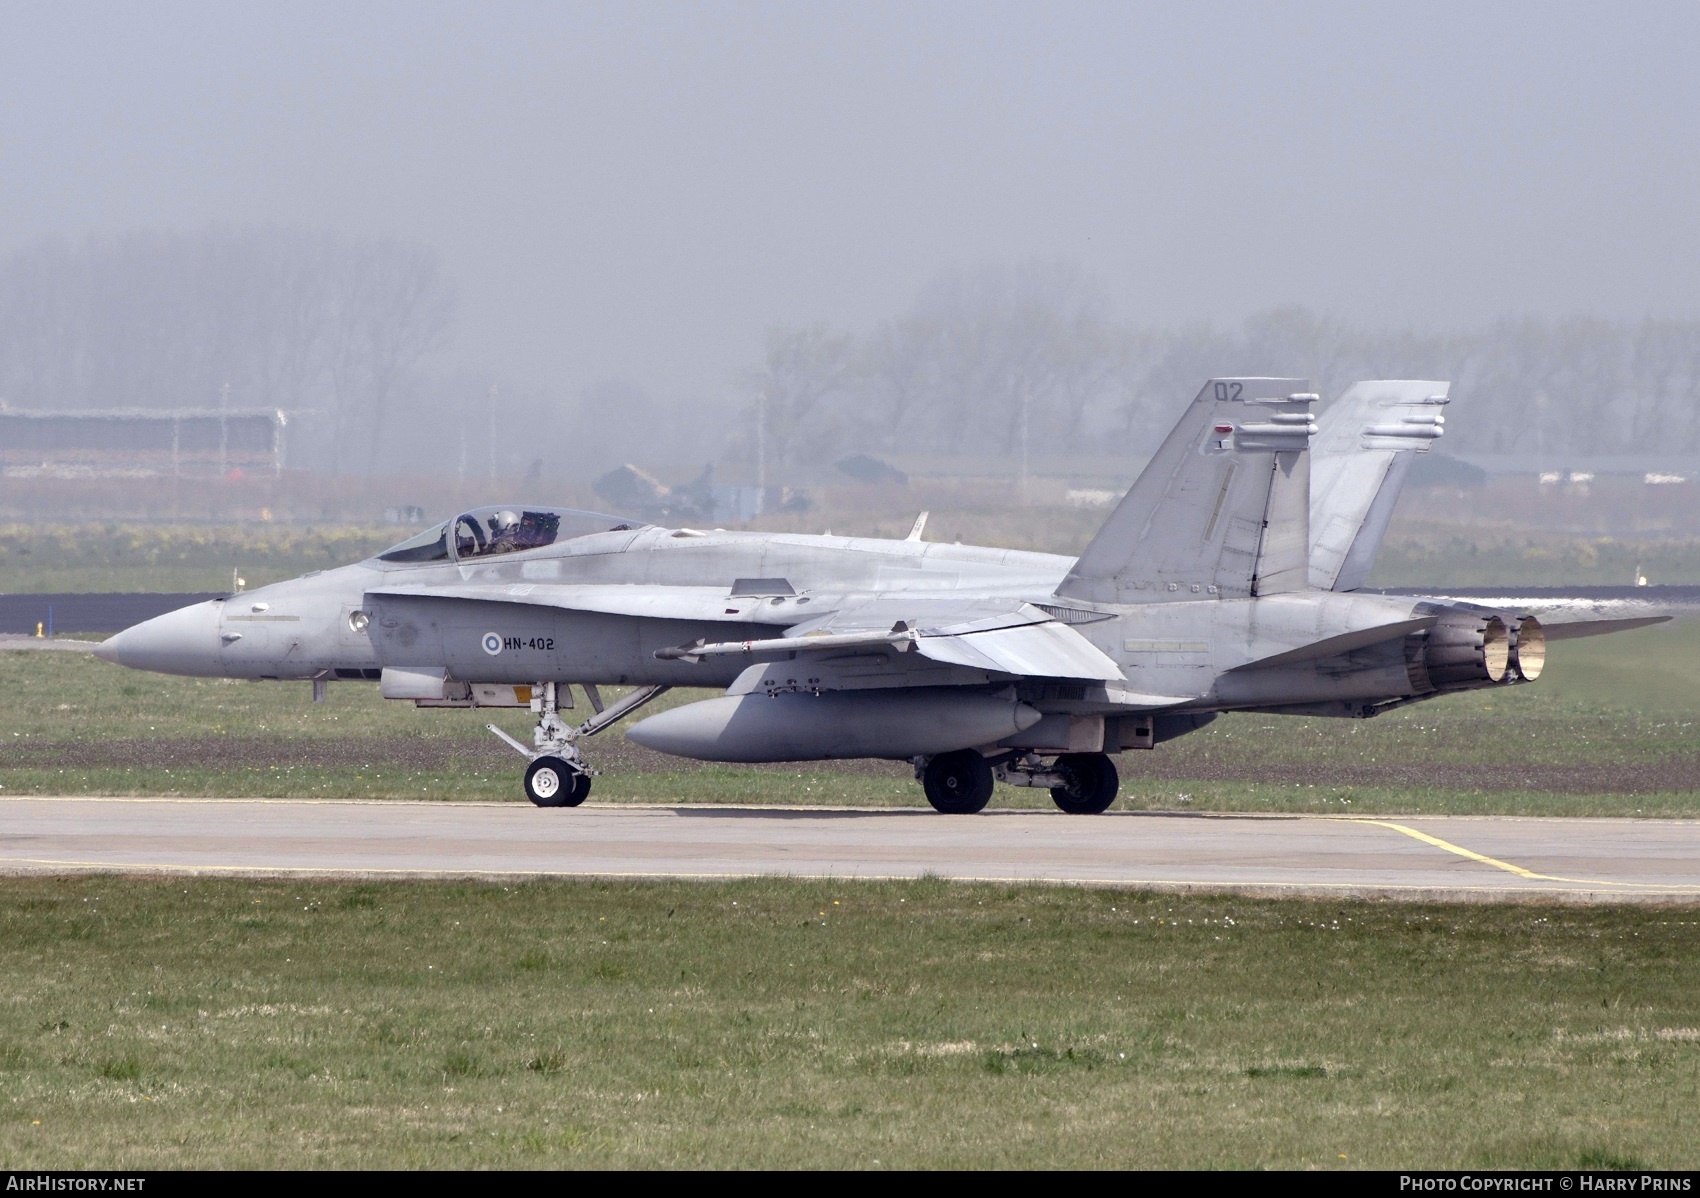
1464,651
1529,649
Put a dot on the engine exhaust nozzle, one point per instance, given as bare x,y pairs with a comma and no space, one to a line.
1466,650
1529,649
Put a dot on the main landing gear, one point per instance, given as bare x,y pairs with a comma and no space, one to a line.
558,775
960,783
1087,783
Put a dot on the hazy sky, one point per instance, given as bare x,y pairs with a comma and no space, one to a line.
638,190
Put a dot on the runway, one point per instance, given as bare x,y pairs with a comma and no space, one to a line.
1454,858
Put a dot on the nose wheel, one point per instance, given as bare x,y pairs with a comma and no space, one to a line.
556,782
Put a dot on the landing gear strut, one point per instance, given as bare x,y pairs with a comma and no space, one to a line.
1088,783
1080,783
558,775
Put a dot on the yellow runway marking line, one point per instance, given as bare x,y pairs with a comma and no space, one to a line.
1472,855
1438,843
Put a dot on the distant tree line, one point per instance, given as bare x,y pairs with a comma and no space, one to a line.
1001,363
239,318
1027,361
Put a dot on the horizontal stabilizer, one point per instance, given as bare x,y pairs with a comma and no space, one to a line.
1581,628
1567,613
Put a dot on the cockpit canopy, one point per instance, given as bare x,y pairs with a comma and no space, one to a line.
489,531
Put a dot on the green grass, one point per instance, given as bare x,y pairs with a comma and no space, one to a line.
203,1023
1441,539
1609,731
1424,555
119,556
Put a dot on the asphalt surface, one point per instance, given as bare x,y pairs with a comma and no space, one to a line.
1456,858
11,641
89,611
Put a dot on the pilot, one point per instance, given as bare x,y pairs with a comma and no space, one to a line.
504,532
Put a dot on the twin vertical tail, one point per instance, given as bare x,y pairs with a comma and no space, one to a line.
1369,438
1222,510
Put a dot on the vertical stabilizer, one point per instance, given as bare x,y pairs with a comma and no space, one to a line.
1362,454
1222,510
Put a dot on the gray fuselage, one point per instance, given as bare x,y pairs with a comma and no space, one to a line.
1190,647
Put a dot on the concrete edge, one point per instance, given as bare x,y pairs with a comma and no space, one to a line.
1448,896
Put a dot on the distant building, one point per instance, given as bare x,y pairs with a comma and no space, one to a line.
140,442
1652,469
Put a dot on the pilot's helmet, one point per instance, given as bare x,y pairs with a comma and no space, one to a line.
504,521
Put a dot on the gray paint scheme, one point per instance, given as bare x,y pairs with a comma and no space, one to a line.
1363,450
1222,510
1203,592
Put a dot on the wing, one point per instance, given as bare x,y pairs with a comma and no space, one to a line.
1223,509
1567,613
1364,447
983,637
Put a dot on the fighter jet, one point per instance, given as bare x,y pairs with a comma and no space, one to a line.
1227,579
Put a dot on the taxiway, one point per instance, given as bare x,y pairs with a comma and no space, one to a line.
1471,858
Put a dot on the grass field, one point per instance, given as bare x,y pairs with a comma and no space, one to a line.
776,1023
1611,729
1512,532
37,558
209,1023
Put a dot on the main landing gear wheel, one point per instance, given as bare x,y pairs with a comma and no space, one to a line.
551,782
958,783
1090,786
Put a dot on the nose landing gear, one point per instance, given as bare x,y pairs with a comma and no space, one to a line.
558,775
556,782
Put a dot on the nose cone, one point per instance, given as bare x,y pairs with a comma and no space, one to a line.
184,641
